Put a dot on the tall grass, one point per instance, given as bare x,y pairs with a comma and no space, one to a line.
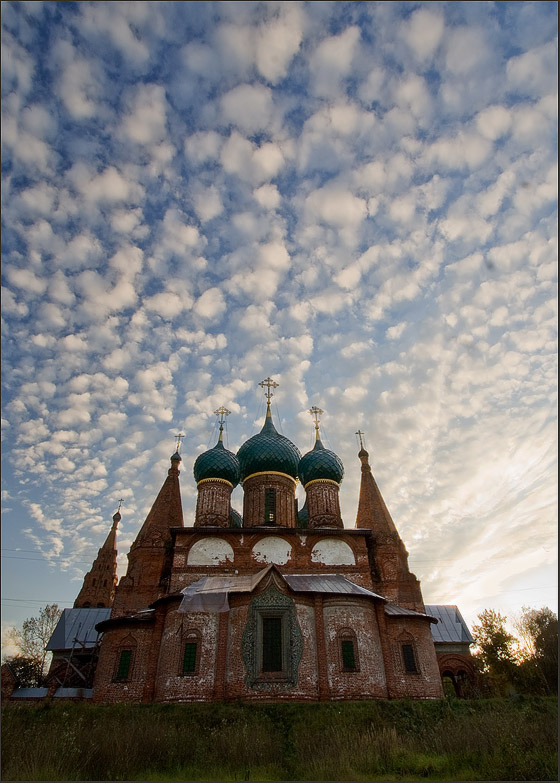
443,740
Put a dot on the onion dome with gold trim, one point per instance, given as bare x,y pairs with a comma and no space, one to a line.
268,452
320,463
217,463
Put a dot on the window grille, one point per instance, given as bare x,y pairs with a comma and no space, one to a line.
270,506
272,644
124,664
409,658
189,658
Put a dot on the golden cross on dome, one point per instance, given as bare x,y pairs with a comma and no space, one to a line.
268,382
121,501
179,437
316,412
222,412
360,434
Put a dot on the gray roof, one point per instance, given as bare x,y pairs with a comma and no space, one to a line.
397,611
450,627
30,693
326,583
73,693
76,628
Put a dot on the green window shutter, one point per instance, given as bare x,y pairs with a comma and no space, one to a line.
124,664
409,659
189,658
348,655
269,507
272,644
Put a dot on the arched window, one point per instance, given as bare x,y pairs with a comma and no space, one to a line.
409,658
190,660
269,506
348,650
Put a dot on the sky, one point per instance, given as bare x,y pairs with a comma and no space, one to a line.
357,199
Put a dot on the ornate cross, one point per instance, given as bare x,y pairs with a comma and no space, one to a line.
121,501
222,412
268,382
316,412
179,437
360,434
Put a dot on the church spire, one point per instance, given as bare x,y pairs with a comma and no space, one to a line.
372,514
98,589
167,510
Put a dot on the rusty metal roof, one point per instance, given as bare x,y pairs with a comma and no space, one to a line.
76,628
451,626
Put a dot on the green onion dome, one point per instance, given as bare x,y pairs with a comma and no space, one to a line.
217,463
268,451
235,518
320,463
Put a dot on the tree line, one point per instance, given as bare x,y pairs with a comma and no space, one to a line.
505,664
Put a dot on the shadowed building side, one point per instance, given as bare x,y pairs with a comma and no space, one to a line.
150,556
390,572
98,589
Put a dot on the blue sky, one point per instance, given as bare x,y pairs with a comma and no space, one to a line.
358,199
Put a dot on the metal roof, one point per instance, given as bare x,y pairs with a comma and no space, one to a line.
393,610
73,693
326,583
210,593
30,693
450,627
76,628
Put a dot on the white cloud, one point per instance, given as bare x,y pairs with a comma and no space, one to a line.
423,32
332,60
146,120
277,42
207,203
467,50
248,106
210,304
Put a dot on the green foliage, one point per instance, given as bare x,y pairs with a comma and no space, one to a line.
496,658
498,739
33,637
538,629
25,669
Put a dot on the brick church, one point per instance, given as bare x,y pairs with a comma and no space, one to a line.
274,604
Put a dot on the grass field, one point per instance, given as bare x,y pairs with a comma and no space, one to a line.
499,739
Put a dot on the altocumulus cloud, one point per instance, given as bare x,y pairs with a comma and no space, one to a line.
358,199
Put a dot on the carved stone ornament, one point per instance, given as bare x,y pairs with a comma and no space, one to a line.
272,602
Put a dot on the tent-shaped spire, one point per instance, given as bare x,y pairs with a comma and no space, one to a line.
167,510
99,585
372,514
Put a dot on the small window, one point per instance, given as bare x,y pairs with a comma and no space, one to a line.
348,655
409,659
124,665
270,507
272,644
189,658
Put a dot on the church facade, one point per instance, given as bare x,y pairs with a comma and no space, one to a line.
274,604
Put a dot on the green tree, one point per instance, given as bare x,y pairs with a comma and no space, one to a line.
25,669
33,636
538,631
496,659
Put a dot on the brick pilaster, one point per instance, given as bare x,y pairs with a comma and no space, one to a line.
221,657
322,673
